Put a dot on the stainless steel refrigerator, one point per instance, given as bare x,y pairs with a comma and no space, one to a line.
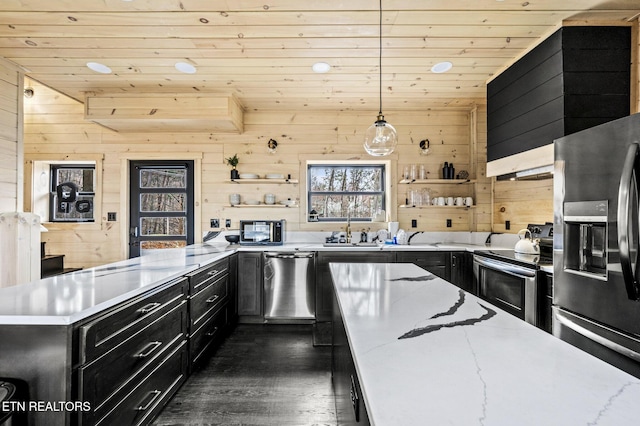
596,292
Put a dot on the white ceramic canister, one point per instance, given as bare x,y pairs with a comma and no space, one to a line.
234,199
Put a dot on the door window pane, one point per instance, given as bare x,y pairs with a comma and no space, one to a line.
158,226
165,244
163,178
163,202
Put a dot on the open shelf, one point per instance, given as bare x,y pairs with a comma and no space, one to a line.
291,181
262,205
437,181
405,206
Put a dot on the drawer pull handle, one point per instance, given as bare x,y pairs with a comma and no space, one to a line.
149,308
214,272
148,350
212,333
213,299
154,395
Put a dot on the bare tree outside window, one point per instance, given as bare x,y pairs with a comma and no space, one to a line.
338,192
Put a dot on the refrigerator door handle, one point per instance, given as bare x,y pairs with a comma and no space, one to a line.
627,178
598,338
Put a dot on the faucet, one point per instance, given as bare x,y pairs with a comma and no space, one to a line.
488,240
413,235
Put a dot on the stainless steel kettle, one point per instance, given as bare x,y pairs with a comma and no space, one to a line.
527,245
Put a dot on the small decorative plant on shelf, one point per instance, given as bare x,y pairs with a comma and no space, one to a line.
233,162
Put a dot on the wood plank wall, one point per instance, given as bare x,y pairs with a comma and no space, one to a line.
10,138
55,128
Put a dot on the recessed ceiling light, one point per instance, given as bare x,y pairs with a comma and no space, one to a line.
185,68
321,67
97,67
441,67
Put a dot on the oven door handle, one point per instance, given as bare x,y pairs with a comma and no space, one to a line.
627,177
504,267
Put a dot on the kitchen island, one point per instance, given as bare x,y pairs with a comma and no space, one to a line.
425,352
111,344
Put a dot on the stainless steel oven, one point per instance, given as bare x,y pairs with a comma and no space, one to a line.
511,286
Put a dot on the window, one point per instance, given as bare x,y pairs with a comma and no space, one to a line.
72,193
340,191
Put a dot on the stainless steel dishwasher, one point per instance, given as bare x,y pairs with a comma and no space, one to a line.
289,286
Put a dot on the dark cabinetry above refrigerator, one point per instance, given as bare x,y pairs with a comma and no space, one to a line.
577,78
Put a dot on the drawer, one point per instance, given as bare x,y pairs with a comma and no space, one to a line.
211,332
205,302
109,330
424,258
201,278
153,391
99,380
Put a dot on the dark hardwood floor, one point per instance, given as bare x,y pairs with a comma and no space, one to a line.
261,375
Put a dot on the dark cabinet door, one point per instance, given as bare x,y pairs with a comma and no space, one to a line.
435,262
233,289
324,289
461,267
250,284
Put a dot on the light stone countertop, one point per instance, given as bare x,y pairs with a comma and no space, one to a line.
66,299
427,352
69,298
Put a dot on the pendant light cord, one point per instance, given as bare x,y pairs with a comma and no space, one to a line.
380,59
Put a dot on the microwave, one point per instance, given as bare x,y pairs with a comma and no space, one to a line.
262,232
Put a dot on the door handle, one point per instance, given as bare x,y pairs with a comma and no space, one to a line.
133,231
627,177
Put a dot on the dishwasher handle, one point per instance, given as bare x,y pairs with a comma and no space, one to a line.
288,255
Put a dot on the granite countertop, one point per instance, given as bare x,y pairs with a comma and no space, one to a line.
427,352
68,298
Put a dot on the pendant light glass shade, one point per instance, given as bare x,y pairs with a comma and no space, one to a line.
380,138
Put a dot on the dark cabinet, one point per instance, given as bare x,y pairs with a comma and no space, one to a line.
435,262
250,286
324,286
209,298
461,270
545,300
350,404
134,356
577,78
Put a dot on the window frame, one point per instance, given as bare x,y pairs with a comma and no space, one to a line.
53,183
37,186
385,167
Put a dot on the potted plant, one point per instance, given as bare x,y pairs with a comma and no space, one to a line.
233,162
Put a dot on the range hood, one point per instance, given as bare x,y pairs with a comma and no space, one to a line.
537,173
579,77
534,164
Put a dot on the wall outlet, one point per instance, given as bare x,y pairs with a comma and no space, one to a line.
449,223
111,216
507,224
414,223
214,223
227,223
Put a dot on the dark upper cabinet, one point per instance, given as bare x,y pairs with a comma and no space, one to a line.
577,78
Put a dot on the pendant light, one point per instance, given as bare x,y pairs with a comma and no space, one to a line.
380,138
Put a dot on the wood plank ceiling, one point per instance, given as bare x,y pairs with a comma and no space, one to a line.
262,51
